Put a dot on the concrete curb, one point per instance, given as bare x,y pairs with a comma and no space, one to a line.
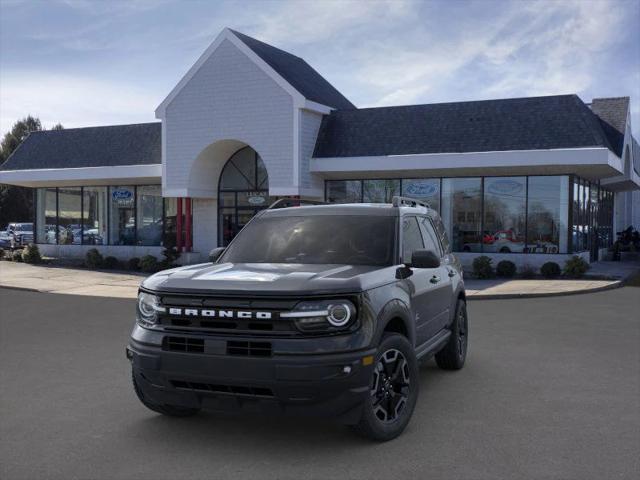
476,297
507,296
24,289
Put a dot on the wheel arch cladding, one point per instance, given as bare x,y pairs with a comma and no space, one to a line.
395,317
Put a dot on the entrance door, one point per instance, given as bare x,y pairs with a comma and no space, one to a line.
243,192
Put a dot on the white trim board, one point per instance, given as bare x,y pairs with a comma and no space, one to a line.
588,157
135,174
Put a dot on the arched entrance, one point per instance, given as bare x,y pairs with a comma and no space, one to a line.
242,192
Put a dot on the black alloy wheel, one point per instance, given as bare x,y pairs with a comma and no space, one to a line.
393,391
454,353
391,385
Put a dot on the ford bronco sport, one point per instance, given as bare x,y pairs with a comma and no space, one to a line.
321,310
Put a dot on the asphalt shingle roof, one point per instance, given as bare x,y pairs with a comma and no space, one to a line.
298,73
533,123
613,116
108,146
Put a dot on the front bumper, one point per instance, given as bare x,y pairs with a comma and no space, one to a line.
327,384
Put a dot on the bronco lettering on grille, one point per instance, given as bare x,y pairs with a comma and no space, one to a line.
241,314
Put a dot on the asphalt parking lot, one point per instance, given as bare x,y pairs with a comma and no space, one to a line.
551,390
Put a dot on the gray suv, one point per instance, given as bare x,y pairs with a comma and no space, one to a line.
322,310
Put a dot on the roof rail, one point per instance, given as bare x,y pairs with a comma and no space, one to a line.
294,202
398,201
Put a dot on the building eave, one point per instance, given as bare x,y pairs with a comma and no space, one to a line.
85,176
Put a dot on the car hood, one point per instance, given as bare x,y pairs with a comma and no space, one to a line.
270,279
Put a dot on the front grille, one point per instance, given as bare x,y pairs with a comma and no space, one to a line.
249,349
273,326
228,389
183,344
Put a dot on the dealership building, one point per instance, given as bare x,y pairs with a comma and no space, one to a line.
529,179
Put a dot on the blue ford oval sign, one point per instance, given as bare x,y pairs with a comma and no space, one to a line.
421,189
121,194
505,187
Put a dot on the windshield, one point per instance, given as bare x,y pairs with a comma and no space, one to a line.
330,239
23,227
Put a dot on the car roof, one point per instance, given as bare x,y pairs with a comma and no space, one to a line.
354,209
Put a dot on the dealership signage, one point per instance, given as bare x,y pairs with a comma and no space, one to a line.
123,197
505,187
421,189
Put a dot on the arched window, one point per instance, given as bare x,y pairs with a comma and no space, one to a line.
243,191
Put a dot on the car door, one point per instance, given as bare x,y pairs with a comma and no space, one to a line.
442,290
421,282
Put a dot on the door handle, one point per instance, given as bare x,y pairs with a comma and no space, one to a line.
434,279
452,273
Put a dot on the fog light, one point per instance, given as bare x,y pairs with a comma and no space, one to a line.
368,360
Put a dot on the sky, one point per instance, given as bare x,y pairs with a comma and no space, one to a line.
86,63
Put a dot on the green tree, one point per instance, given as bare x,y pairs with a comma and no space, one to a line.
16,203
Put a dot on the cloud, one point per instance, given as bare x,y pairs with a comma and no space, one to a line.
72,100
533,48
296,22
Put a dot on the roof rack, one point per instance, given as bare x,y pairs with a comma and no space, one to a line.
294,202
398,201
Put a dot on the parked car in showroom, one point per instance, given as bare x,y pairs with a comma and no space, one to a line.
316,310
17,235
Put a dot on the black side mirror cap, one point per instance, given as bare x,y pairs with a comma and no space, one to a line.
424,259
215,254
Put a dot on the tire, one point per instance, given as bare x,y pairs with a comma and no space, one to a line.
395,359
454,353
168,410
505,250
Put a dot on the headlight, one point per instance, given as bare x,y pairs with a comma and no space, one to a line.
148,309
322,315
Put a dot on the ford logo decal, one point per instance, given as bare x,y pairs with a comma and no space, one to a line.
505,187
121,194
421,189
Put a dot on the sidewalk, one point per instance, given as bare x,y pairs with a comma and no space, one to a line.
602,276
69,280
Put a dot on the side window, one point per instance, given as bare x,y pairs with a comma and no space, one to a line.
430,238
411,237
442,233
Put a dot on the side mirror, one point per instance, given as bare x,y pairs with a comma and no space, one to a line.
424,259
215,254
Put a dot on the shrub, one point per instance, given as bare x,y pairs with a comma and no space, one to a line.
110,263
550,270
506,269
482,267
16,256
527,271
575,267
1,253
133,264
93,258
149,264
170,252
31,254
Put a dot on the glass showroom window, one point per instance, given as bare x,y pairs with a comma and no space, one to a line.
344,191
379,191
122,219
149,215
46,215
425,189
505,214
462,212
94,215
548,208
69,216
